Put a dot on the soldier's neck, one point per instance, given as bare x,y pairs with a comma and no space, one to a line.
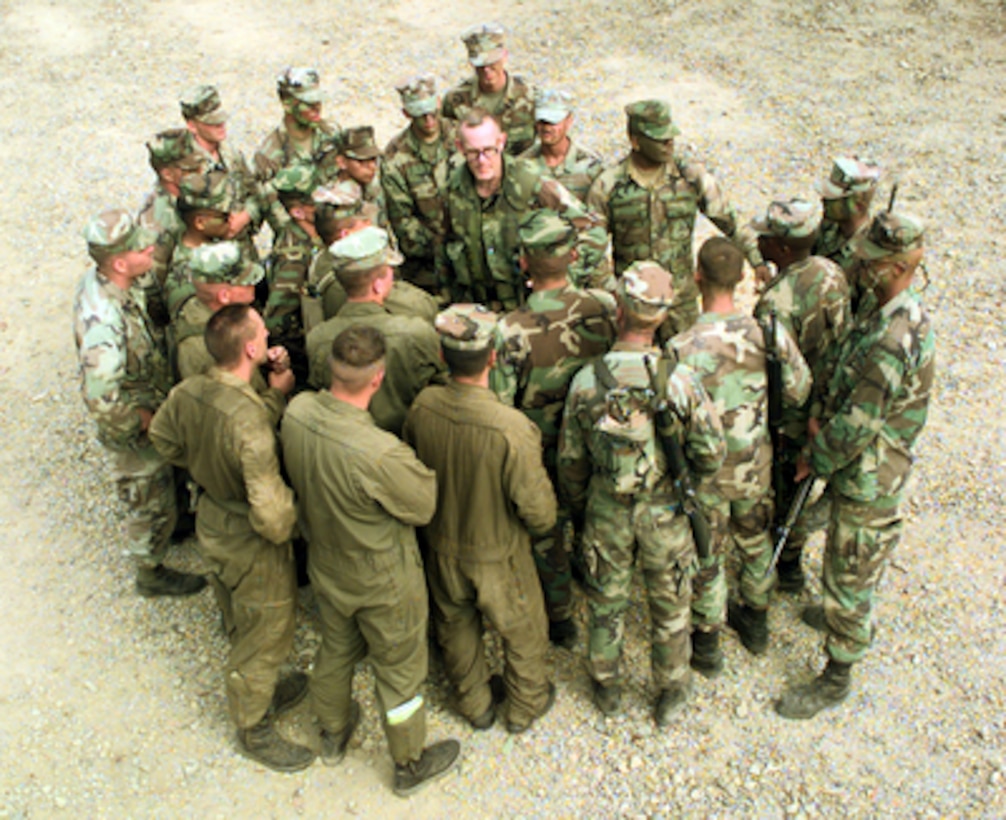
298,133
718,302
481,380
211,148
555,154
640,338
488,188
853,224
554,283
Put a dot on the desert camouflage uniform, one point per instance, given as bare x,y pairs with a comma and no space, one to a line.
878,400
543,345
483,246
124,368
618,485
727,351
160,213
219,429
658,223
513,107
577,171
414,178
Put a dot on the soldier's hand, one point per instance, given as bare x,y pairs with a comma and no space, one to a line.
802,469
282,381
279,359
813,427
145,417
762,275
237,223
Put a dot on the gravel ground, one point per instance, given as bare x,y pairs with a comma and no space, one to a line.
111,705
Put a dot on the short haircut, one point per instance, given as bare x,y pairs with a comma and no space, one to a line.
721,263
356,283
355,356
634,323
226,333
466,363
474,118
328,223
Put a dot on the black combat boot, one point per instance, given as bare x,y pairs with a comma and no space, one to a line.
791,577
829,688
608,698
435,761
333,744
264,744
289,691
563,633
670,702
707,657
751,625
152,582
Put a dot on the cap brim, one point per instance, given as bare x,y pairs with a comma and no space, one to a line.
665,133
863,248
395,257
421,108
829,190
488,58
552,116
141,239
309,97
217,117
252,276
366,153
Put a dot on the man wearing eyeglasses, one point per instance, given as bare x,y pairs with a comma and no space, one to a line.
493,89
486,199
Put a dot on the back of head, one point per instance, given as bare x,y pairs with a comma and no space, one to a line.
721,264
468,336
356,355
226,333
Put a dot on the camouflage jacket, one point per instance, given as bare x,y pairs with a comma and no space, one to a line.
160,213
878,400
727,351
242,181
483,246
293,253
414,178
608,441
658,223
576,172
543,344
514,108
123,367
279,151
811,300
832,244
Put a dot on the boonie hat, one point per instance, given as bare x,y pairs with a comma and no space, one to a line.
793,218
486,43
651,118
467,327
202,103
419,94
222,263
115,231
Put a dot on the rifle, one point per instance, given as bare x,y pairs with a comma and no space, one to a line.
677,466
782,533
773,372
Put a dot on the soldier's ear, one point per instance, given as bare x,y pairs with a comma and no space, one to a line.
502,140
574,254
340,160
492,358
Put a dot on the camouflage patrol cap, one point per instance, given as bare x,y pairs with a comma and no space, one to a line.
364,250
296,181
211,191
302,84
222,263
645,290
467,327
173,148
849,175
889,234
789,219
486,43
202,103
651,118
113,232
544,232
344,201
359,143
552,105
419,95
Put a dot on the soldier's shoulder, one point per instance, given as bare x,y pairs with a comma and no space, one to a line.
520,87
460,95
398,147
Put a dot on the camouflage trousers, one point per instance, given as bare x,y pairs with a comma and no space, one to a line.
552,560
861,538
617,529
288,266
145,483
255,584
375,608
508,594
744,523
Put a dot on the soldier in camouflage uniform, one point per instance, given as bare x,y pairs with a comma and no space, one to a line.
364,263
125,377
493,89
414,173
486,199
206,120
649,201
224,433
542,346
727,349
876,406
172,156
357,158
612,471
554,151
364,559
493,494
809,296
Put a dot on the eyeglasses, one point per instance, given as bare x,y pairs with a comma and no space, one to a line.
478,153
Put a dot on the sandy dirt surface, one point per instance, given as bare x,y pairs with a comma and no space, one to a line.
113,706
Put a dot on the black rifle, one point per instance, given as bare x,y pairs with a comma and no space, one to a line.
792,514
677,467
773,372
